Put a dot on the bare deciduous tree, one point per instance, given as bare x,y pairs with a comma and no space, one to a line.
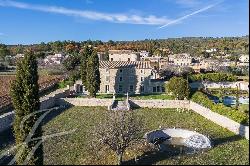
117,131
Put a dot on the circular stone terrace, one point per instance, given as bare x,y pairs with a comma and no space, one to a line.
181,137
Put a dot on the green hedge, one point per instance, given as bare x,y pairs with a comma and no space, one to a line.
215,77
221,109
63,84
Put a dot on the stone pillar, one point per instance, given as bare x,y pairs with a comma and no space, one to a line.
75,87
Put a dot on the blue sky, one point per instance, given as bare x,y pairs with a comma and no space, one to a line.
35,21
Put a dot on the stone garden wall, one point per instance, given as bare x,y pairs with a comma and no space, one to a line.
85,102
46,102
57,98
223,121
160,103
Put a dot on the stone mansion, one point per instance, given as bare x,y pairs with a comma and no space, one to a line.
129,76
134,77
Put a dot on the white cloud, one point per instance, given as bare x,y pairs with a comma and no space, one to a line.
188,3
93,15
189,15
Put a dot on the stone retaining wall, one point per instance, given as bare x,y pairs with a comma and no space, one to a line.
160,103
85,101
221,120
57,98
46,102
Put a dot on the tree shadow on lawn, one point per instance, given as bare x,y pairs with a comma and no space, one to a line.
55,113
224,140
152,157
7,139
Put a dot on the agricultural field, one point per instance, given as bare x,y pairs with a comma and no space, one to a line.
45,81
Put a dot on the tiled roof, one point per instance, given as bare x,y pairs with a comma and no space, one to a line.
125,64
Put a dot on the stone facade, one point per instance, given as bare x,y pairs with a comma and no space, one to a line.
160,103
123,55
244,58
183,60
242,85
132,77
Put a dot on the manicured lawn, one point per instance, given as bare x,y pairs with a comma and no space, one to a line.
72,148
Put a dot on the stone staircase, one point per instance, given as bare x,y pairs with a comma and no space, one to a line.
120,105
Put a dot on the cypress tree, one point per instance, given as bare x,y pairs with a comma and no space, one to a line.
237,98
84,59
84,56
106,55
25,99
93,74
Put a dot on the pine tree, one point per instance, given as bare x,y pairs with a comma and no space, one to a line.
93,74
25,99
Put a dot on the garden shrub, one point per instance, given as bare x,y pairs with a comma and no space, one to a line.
221,109
214,77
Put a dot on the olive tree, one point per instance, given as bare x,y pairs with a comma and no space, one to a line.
118,131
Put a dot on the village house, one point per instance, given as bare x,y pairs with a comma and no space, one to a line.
143,54
244,58
243,64
19,56
183,59
208,64
163,63
54,59
123,55
211,50
242,85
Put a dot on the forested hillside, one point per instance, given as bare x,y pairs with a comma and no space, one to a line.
196,46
